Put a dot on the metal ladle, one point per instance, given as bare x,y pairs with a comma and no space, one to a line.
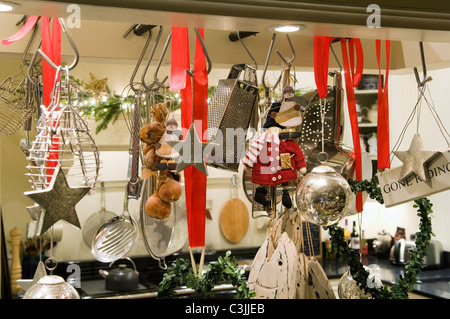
116,237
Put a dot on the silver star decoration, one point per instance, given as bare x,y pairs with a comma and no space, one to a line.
58,202
191,151
416,160
35,212
26,284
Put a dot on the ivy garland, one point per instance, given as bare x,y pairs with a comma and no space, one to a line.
414,265
180,273
225,268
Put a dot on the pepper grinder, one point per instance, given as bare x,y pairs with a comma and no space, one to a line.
16,267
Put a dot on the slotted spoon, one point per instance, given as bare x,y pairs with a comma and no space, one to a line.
96,220
116,237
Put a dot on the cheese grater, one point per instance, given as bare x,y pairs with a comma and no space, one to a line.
230,112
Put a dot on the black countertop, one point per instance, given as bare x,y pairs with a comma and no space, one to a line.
431,282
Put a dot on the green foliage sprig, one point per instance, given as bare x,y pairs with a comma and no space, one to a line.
180,273
370,187
413,266
107,108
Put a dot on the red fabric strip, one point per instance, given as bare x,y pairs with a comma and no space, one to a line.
321,57
29,24
200,109
193,106
51,46
383,146
179,81
179,60
352,78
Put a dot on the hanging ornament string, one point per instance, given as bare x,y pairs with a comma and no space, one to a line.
434,113
321,60
302,242
322,156
51,262
422,89
383,109
352,77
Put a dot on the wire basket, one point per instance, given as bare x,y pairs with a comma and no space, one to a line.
63,138
230,112
17,102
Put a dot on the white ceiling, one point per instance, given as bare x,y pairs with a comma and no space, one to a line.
100,37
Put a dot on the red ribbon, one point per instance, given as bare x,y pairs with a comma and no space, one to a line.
194,180
179,64
352,78
29,24
383,110
51,46
321,57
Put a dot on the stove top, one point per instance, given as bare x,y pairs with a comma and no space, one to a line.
96,289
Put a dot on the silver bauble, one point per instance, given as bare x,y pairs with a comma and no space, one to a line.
348,289
51,287
323,196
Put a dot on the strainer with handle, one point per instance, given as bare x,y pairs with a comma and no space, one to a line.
163,237
96,220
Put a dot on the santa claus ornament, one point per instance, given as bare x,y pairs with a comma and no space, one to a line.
273,161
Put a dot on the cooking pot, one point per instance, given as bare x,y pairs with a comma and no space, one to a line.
121,278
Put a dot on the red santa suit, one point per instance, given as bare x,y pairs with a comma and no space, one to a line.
265,155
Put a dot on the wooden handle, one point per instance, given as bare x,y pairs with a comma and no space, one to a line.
16,267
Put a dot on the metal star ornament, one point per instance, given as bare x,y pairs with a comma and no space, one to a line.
35,212
58,202
191,151
40,272
416,160
97,86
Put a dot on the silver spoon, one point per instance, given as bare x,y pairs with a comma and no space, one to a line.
116,237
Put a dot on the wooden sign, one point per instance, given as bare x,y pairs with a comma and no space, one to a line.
396,192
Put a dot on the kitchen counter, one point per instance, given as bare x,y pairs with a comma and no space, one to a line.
432,282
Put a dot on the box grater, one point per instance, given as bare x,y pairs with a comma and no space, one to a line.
230,112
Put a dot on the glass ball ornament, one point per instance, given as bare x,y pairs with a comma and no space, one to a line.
323,196
51,287
348,289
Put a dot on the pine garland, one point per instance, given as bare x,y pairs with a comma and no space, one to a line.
181,273
414,265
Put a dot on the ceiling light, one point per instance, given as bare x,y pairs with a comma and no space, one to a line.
287,28
8,6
